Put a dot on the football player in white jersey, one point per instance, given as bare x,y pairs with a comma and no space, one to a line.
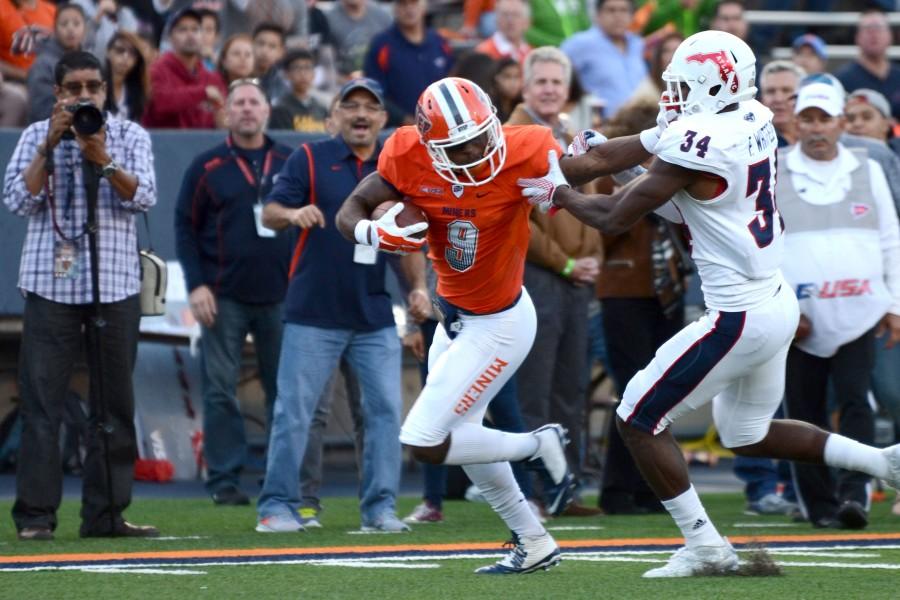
715,173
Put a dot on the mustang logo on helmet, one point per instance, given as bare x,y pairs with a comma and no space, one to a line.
720,58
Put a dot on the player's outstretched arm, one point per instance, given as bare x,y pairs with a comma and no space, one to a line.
607,158
369,193
616,213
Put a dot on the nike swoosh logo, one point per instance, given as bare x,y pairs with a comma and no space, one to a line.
481,194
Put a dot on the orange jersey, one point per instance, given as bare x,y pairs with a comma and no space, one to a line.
477,235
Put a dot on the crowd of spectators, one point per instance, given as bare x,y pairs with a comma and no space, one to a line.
171,64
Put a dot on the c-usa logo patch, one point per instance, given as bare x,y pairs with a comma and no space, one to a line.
457,190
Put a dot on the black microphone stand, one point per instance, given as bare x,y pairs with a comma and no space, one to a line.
91,175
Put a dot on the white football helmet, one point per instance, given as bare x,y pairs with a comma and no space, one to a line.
717,68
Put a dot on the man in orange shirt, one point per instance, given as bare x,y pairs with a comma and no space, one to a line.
24,26
513,20
461,167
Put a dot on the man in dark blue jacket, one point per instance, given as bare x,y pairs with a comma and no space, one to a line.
236,271
406,58
336,305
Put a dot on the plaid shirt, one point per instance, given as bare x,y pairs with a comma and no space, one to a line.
129,145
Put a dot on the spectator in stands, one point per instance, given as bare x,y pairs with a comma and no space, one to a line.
506,87
105,17
652,86
562,265
608,58
642,296
729,17
69,31
887,160
552,22
185,95
658,18
298,109
24,26
268,50
210,36
127,77
59,314
336,305
513,20
810,53
868,115
406,58
476,67
838,215
353,24
236,272
236,58
479,19
778,84
872,69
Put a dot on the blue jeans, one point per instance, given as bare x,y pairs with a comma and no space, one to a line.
885,382
761,476
222,345
309,356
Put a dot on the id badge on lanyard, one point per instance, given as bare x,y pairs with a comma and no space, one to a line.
261,230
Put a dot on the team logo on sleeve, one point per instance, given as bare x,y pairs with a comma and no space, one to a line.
859,210
725,64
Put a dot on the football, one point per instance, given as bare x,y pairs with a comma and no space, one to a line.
410,215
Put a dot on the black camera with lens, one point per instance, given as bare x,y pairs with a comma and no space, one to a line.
87,119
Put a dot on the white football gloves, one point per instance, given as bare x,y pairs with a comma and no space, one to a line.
385,235
540,190
584,141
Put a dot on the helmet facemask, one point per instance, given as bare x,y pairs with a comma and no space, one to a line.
468,174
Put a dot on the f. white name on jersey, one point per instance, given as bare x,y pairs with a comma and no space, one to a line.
736,237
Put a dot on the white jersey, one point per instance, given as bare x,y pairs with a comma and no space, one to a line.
736,237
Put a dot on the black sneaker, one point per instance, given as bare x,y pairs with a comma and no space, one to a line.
852,515
230,496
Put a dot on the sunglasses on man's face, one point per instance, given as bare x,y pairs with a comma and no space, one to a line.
74,87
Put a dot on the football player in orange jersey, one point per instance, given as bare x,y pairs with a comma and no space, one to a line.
460,167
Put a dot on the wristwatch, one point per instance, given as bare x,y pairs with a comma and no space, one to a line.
110,169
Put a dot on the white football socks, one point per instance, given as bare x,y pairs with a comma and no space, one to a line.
471,443
499,487
691,518
849,454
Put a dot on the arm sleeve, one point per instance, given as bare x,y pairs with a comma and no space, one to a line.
139,162
292,188
15,193
389,166
192,199
889,231
695,150
171,97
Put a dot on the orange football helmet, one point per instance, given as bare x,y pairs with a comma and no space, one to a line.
451,112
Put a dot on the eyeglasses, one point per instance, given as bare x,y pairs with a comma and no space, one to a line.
74,87
355,106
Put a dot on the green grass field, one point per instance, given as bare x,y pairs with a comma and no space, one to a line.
867,568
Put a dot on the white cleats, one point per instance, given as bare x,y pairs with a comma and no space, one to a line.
697,561
892,453
528,554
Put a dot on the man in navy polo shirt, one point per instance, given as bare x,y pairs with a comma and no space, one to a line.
236,273
336,305
406,58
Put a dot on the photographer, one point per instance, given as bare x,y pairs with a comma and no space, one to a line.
46,182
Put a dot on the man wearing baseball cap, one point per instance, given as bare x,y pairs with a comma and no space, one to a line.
336,305
868,114
810,53
839,215
185,95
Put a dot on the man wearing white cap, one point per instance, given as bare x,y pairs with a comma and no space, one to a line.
838,215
